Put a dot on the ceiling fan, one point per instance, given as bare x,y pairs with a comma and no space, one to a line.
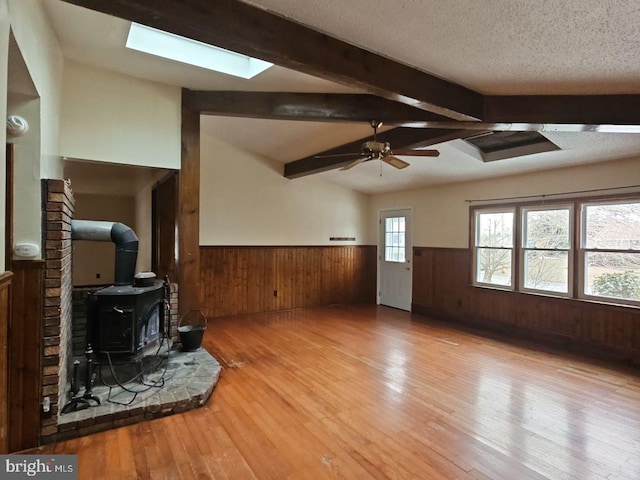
374,150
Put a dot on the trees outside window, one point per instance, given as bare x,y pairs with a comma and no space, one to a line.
546,248
534,248
611,250
494,247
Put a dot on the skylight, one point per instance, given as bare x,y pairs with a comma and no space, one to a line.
174,47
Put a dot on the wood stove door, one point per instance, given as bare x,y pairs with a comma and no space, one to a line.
116,330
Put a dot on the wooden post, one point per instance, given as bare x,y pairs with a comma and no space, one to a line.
189,214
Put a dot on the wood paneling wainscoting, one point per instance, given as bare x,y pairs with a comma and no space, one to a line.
5,319
25,351
442,288
239,280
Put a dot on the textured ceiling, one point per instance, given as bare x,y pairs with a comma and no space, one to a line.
494,47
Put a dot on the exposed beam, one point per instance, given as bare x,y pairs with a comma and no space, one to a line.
588,113
397,137
243,28
591,112
188,221
306,106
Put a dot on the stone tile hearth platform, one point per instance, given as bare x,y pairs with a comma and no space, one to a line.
189,380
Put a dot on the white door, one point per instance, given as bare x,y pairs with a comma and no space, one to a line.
395,259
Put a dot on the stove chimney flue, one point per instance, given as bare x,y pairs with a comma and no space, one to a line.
122,236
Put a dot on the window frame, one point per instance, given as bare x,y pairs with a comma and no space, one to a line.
577,288
474,233
583,252
523,249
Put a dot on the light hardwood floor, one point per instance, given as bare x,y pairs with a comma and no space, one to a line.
371,392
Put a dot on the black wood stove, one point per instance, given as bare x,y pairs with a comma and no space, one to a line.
126,319
127,316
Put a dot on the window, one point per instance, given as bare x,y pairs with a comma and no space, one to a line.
394,232
546,249
494,247
611,251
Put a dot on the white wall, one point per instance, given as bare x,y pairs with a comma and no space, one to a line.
43,57
4,60
27,196
39,72
111,117
441,214
245,200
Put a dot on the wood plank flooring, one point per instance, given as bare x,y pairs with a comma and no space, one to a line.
366,392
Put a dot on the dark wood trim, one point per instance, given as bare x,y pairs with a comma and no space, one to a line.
5,279
5,322
25,350
399,138
253,31
188,220
507,113
8,214
328,107
587,110
164,208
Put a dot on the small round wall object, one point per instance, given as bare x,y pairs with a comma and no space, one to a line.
26,250
17,125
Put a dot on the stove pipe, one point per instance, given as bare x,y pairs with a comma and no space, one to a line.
124,238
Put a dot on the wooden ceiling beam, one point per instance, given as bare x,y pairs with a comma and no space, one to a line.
237,26
608,113
306,106
578,113
399,138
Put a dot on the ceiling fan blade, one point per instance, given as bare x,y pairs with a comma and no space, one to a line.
395,162
354,154
417,153
355,163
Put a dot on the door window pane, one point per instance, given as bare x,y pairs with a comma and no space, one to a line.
395,232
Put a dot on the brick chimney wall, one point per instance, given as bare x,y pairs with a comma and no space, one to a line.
58,207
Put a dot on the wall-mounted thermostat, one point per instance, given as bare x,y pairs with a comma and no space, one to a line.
26,250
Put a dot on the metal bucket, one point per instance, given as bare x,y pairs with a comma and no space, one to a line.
191,335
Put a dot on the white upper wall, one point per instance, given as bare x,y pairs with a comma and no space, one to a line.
110,117
43,58
441,214
245,200
39,70
4,60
